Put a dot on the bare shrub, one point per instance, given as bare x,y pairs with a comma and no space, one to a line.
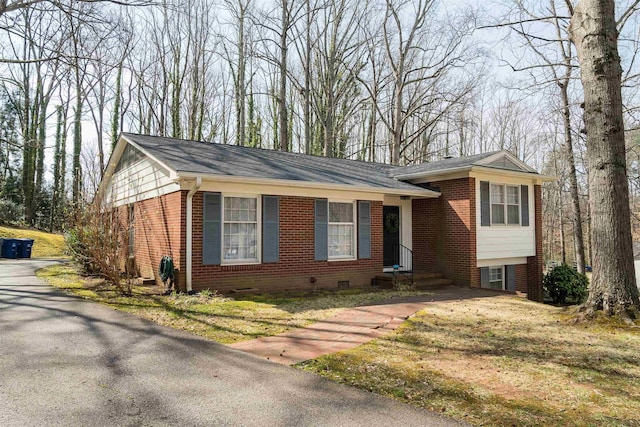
97,243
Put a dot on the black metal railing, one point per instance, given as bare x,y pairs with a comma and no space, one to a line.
403,259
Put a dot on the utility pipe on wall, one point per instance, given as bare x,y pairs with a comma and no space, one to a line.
190,194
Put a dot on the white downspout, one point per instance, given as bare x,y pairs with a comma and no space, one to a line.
190,194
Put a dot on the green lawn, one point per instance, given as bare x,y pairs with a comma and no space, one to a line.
225,320
45,245
502,361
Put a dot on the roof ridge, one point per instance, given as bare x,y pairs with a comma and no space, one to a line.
269,150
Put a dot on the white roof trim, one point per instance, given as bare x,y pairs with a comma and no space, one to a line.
311,184
416,175
508,172
480,166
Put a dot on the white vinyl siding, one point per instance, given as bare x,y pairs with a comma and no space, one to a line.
506,241
341,230
240,238
142,180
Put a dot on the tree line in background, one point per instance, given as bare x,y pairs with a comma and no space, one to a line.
395,81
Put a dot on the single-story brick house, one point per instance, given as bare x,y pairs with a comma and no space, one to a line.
236,217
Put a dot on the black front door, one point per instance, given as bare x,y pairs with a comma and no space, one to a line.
390,234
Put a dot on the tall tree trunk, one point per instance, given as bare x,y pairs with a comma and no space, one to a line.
42,138
398,126
563,242
307,81
573,180
241,84
593,32
282,96
115,118
77,144
57,157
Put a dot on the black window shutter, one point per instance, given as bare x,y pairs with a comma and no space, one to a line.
211,228
484,277
510,271
321,229
364,230
485,204
524,204
270,229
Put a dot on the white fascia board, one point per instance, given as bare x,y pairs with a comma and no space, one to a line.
418,175
444,174
487,170
421,193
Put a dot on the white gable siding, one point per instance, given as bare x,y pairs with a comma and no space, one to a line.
504,163
142,180
496,242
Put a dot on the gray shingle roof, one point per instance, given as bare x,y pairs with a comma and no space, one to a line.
444,164
210,158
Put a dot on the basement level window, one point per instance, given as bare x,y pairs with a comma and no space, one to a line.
496,277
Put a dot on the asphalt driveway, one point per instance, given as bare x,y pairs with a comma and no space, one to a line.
65,361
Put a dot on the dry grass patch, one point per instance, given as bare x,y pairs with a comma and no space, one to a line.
225,320
502,361
45,245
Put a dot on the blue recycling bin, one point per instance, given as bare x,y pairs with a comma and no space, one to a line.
9,248
24,248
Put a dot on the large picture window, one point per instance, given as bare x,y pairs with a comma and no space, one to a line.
505,204
240,229
341,230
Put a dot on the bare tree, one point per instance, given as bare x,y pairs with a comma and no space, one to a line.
593,32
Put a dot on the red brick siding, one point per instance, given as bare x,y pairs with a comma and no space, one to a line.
159,230
296,265
444,232
522,277
534,286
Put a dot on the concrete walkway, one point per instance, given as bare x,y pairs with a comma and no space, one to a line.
69,362
349,328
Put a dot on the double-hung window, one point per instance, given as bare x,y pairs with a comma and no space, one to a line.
505,204
341,230
497,204
240,230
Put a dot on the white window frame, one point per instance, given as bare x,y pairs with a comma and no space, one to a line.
505,205
248,261
354,237
502,275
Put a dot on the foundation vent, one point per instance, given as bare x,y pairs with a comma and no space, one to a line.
343,284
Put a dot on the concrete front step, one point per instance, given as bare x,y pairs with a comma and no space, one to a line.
432,283
423,280
427,275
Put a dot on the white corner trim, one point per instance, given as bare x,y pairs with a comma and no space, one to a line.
192,191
